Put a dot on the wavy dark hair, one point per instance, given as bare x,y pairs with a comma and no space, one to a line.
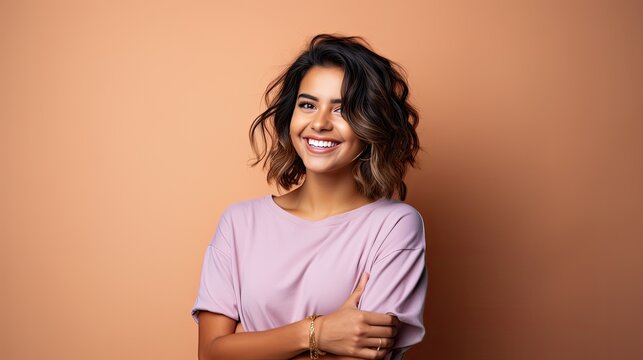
374,103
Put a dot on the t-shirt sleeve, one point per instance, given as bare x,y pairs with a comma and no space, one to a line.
398,281
216,289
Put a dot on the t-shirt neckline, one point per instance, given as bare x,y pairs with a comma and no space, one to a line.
329,220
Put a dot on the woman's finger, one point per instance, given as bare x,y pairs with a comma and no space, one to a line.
374,342
353,299
375,318
381,331
368,353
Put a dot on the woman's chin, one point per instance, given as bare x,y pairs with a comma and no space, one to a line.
325,170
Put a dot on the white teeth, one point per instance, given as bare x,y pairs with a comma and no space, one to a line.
318,143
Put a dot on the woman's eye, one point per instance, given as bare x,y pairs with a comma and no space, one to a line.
303,105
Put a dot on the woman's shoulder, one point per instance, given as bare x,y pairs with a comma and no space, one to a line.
397,209
242,208
403,225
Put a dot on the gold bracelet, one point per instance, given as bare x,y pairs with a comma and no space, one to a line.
314,351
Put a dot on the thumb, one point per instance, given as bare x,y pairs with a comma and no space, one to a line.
353,299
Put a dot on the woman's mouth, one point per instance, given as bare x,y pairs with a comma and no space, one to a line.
320,147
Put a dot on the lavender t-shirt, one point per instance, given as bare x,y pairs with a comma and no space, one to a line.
268,268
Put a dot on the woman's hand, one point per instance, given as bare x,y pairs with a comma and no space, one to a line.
306,356
352,332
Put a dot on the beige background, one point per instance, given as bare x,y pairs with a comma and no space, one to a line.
124,135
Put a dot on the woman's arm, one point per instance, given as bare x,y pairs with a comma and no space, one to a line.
306,354
400,281
345,331
217,339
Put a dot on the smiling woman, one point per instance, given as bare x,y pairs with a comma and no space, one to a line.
321,136
373,95
336,267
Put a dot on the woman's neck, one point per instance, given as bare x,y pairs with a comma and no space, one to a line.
324,194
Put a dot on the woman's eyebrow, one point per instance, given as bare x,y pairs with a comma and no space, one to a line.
332,101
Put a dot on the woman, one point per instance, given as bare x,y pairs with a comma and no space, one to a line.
334,268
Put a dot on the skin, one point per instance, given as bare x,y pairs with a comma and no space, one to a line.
328,189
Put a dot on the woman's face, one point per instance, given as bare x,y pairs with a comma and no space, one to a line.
322,138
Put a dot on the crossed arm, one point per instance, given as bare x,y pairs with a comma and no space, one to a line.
399,285
223,321
350,330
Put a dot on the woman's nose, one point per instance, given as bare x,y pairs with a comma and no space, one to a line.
322,121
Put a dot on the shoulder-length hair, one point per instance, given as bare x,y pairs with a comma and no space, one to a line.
374,103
